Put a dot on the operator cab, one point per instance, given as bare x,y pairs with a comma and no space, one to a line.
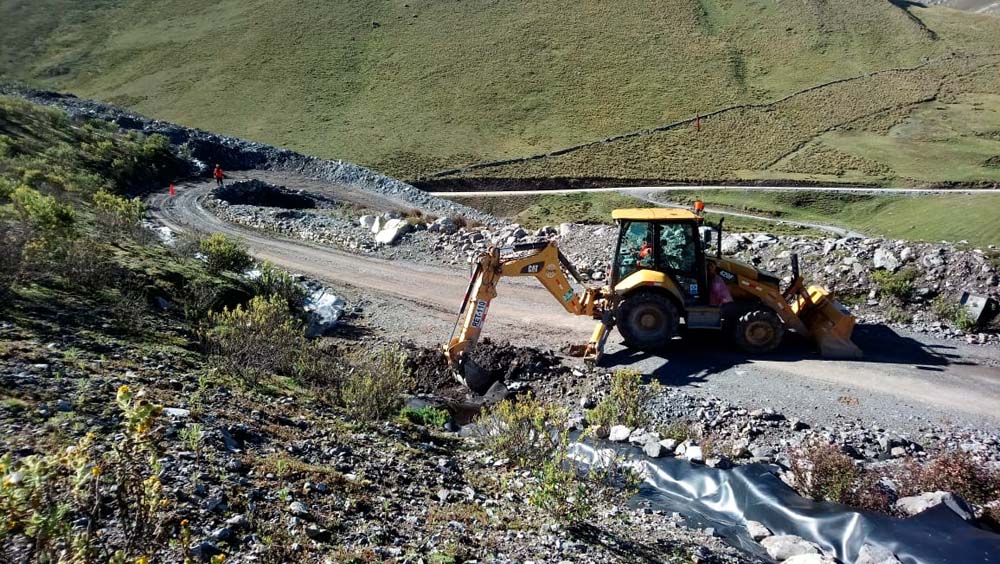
662,240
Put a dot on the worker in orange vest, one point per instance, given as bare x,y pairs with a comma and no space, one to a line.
219,175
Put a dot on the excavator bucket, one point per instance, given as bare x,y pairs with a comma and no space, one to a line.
829,323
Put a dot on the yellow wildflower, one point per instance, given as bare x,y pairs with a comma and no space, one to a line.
142,560
95,470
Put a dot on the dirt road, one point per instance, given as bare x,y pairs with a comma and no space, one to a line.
905,381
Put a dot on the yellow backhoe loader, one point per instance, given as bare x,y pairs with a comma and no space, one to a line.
663,279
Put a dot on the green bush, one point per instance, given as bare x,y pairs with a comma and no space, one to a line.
43,213
373,388
899,285
427,416
224,253
535,436
625,404
953,312
257,340
523,432
276,282
118,212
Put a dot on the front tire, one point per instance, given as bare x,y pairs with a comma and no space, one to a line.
647,321
759,331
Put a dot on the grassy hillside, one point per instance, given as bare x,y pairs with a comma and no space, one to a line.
956,217
414,87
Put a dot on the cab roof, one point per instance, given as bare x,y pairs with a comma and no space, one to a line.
655,214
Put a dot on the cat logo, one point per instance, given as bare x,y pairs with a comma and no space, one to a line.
480,314
550,271
533,268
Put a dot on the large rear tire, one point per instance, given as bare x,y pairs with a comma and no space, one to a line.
759,331
647,321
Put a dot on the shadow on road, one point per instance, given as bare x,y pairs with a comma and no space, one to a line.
703,353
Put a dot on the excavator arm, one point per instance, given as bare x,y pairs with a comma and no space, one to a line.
541,260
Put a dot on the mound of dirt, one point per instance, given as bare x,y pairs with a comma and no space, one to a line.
502,361
509,363
258,193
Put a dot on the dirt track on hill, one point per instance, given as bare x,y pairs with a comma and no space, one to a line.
905,381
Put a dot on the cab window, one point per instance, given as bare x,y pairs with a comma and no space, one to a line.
677,248
635,248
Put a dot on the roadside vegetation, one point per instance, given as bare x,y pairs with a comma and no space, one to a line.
102,465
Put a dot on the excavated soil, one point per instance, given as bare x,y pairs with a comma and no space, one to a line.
258,193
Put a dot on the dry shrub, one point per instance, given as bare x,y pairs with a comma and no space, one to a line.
823,472
372,390
523,432
259,339
13,239
955,472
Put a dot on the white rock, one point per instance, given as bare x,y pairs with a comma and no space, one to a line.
757,530
871,554
653,449
811,559
366,221
619,433
377,223
669,446
783,547
392,231
919,503
885,259
565,229
176,412
693,453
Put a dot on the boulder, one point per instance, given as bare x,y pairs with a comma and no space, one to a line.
783,547
871,554
392,231
811,559
757,530
565,229
885,259
377,223
915,504
619,433
669,446
653,449
366,221
693,453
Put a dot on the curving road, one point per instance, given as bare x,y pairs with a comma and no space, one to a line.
905,381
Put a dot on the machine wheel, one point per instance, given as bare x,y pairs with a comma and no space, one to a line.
759,331
647,320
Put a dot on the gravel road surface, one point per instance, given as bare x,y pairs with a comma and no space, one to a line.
904,383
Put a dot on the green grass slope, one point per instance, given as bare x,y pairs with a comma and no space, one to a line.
418,86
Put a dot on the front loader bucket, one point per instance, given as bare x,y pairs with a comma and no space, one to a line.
829,324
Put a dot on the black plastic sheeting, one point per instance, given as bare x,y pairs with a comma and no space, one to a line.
727,499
